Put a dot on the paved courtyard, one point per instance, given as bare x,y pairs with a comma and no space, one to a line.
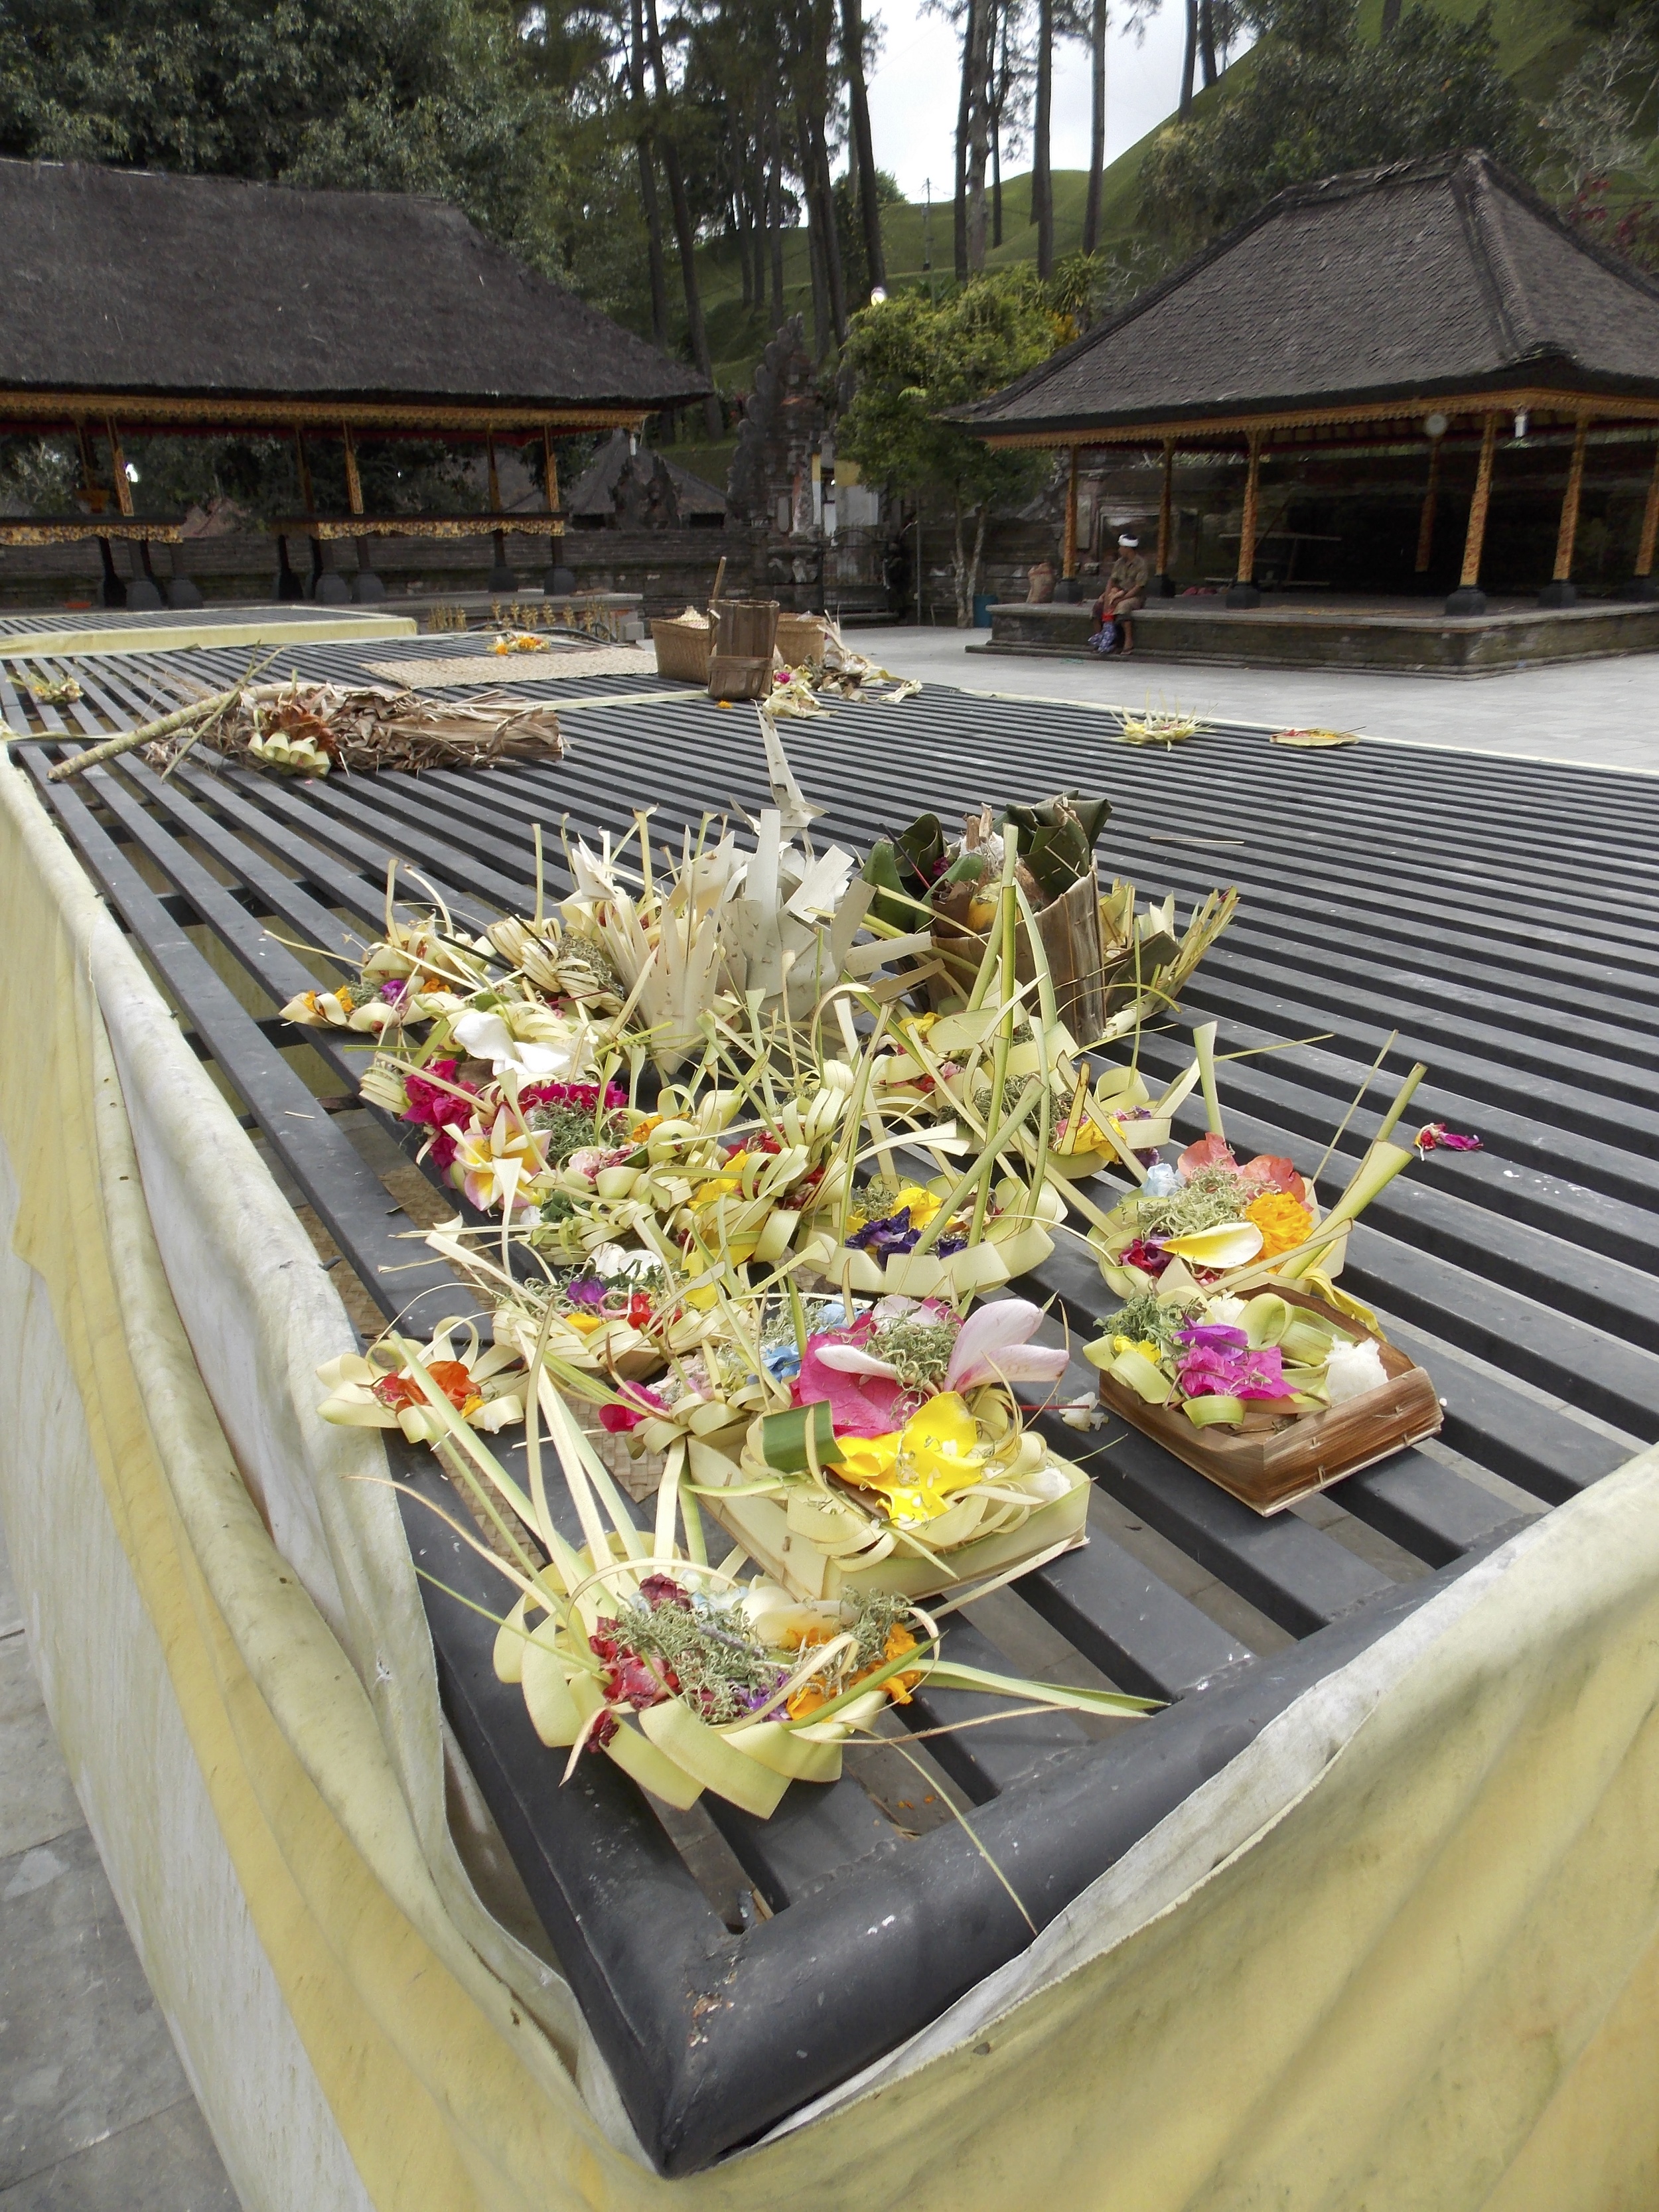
95,2113
1604,712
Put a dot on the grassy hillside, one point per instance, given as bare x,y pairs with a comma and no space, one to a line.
1538,43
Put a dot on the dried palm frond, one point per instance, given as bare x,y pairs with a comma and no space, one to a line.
308,729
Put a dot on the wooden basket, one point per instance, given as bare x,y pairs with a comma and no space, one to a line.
684,649
746,634
801,640
1274,1459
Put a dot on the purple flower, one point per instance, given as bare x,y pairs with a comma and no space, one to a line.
1232,1370
586,1291
394,992
894,1234
1221,1335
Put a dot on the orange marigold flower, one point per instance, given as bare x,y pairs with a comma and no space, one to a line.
1285,1222
397,1391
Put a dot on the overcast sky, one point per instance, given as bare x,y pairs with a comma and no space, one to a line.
913,93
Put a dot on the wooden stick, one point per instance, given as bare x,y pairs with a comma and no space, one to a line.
180,719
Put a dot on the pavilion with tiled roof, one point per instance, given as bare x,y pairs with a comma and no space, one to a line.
1440,300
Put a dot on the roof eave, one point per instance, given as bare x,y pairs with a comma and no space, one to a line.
1553,374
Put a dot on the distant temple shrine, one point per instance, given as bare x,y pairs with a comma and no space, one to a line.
1429,339
142,303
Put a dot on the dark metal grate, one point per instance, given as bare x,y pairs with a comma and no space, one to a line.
1500,912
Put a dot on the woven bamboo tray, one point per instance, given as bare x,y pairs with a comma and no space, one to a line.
1274,1459
683,649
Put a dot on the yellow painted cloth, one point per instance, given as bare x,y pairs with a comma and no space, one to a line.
1399,1954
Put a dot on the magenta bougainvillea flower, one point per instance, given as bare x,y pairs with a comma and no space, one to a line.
1435,1136
1217,1361
860,1405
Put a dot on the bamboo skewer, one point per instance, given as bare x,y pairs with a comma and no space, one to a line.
200,711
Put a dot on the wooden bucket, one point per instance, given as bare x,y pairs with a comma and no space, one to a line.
1274,1459
746,637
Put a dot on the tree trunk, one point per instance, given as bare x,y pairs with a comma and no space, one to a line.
959,574
1390,17
1043,187
818,154
684,232
815,252
852,40
979,119
1207,39
1189,60
1096,124
996,105
644,147
774,213
964,110
979,556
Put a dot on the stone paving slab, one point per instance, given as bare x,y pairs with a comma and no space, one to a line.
166,2163
1602,713
96,2114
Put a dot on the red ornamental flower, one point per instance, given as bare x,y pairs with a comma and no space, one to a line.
629,1680
1151,1258
617,1420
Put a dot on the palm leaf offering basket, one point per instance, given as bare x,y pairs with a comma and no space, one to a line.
1273,1459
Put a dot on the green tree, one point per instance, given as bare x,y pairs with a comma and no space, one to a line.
1318,96
913,362
422,96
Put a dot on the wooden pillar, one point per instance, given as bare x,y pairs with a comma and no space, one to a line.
307,496
1165,512
1566,535
1649,524
549,469
1068,565
1469,598
1252,508
502,578
368,585
354,482
1244,592
1431,500
118,461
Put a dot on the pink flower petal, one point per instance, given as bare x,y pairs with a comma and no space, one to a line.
861,1405
847,1360
988,1332
1208,1152
1274,1172
1033,1363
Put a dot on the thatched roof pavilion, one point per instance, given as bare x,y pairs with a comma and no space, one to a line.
142,301
1437,299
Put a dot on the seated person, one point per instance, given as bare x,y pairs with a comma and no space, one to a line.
1040,579
1125,590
